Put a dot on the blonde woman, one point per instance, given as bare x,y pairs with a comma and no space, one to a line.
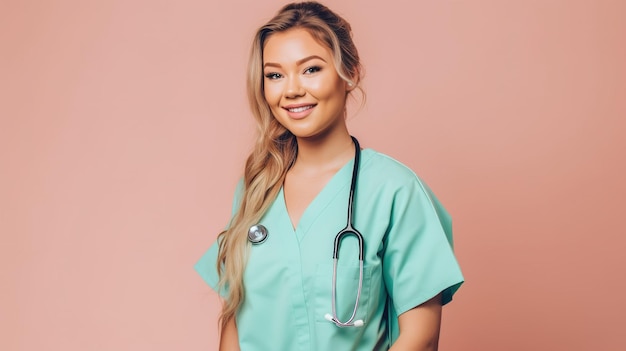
330,247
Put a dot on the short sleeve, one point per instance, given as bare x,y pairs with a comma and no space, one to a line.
206,266
419,261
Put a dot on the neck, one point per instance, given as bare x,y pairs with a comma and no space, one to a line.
329,152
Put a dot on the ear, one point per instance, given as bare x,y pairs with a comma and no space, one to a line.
353,82
350,86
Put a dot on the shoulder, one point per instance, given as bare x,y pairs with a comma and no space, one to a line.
388,177
386,170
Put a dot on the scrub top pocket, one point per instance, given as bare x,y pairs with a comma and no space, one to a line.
347,287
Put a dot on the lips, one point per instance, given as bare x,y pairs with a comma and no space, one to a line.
298,107
299,111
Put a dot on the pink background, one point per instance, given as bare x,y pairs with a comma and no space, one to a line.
124,127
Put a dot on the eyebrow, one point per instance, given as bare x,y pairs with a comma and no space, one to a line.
298,63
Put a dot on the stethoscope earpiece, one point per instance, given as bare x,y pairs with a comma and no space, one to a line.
356,323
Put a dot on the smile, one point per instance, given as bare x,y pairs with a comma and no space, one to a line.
300,109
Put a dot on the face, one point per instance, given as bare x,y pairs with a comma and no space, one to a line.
301,84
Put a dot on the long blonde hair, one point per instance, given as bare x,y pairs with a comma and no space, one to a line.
276,148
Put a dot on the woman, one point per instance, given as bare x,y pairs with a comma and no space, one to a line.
274,264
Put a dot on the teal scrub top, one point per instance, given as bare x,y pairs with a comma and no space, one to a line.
408,259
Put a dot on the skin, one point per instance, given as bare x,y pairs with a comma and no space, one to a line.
229,339
300,73
419,327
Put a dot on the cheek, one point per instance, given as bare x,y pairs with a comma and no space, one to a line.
326,87
271,93
318,88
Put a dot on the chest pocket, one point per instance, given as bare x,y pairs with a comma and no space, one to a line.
347,287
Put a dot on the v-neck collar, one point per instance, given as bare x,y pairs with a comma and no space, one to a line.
333,187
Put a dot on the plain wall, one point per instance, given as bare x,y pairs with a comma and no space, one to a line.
124,127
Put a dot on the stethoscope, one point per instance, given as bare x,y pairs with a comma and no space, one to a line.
258,234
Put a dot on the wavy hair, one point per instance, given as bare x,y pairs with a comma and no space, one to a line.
276,148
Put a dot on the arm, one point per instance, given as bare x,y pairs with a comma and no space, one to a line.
229,339
419,327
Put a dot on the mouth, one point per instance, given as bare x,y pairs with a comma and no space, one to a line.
298,108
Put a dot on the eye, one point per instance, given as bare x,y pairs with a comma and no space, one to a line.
273,76
312,70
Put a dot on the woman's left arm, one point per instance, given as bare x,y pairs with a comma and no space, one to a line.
419,327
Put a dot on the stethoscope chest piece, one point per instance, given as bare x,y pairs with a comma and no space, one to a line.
257,234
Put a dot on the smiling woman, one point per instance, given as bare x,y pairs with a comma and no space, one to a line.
279,257
302,86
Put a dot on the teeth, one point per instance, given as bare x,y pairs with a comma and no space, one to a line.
300,109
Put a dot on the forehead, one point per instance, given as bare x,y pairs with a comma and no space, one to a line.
292,45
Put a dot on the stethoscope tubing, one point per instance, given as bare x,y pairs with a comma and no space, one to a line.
349,230
257,234
333,318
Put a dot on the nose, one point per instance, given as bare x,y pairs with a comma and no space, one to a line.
294,88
